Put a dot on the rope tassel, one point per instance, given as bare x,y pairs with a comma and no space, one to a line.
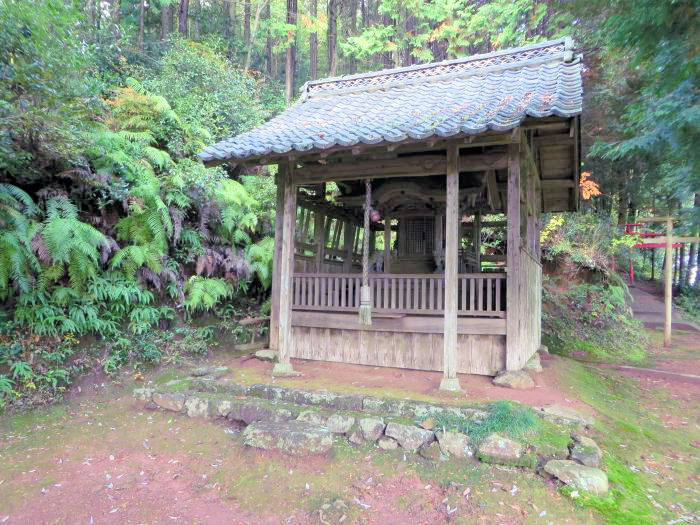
365,292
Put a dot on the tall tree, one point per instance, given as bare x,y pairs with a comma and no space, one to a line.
166,17
332,37
291,50
142,24
246,22
268,40
183,12
313,41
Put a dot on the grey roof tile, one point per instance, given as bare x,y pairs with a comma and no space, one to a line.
471,95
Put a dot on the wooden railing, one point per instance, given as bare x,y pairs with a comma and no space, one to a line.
478,294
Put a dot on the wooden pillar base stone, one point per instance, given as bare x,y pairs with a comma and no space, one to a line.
450,384
284,370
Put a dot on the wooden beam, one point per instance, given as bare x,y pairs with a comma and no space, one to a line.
284,365
418,166
477,240
488,138
513,261
449,380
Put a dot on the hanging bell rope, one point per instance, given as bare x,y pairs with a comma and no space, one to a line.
365,294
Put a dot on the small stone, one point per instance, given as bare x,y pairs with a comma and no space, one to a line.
251,410
431,451
514,379
297,438
266,355
213,371
428,424
197,407
356,438
533,364
586,451
150,405
455,444
169,400
339,424
222,407
310,416
340,504
578,476
503,451
409,437
566,415
143,394
372,428
543,350
386,443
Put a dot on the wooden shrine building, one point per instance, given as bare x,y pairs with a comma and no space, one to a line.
408,209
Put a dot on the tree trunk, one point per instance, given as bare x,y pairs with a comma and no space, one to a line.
115,15
291,51
246,22
386,56
682,267
268,42
332,37
692,255
352,31
676,265
256,22
165,18
313,41
142,21
182,16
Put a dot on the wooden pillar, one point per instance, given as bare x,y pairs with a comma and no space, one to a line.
348,240
438,233
513,313
319,240
275,300
477,240
284,365
365,291
449,379
387,245
668,282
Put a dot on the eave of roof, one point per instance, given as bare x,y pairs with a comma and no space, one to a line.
468,96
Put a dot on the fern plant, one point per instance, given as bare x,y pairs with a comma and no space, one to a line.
67,246
18,265
204,293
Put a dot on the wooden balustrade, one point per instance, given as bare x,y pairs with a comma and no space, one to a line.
478,294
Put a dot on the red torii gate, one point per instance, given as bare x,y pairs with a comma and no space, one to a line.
630,230
664,240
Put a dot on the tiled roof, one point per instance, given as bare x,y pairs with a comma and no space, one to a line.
468,95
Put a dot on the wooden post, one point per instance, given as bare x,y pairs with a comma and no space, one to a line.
284,365
275,301
477,240
387,245
319,240
449,379
668,282
438,233
365,292
513,312
348,239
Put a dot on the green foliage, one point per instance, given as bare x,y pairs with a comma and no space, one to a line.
591,321
34,369
689,301
204,293
504,417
